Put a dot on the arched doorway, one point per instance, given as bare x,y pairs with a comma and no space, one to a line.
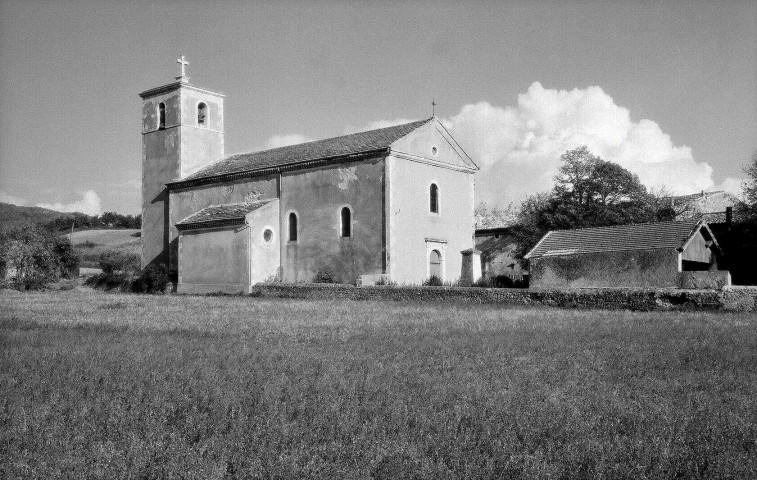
435,264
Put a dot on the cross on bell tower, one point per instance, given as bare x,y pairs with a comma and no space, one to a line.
181,61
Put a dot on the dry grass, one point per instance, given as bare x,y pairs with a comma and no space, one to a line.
110,385
91,243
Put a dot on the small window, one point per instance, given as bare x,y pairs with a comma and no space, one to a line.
162,116
267,235
202,113
292,227
434,199
346,215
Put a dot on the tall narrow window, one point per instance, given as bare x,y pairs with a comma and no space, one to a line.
435,264
161,116
292,227
346,215
202,113
434,198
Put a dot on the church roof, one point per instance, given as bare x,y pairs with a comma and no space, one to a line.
370,142
640,236
220,215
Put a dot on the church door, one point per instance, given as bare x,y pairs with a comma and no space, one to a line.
435,264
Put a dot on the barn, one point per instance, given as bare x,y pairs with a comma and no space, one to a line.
681,254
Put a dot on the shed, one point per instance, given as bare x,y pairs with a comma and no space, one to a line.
666,254
497,247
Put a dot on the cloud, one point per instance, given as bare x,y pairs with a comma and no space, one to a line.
89,204
6,197
518,148
733,186
277,141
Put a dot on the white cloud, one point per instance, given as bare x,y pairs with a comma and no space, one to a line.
732,185
518,148
277,141
6,197
89,204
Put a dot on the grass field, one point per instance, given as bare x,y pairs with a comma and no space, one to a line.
91,243
116,386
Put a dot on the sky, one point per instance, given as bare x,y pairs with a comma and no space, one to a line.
666,89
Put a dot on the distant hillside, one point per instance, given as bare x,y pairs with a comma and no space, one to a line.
90,244
11,215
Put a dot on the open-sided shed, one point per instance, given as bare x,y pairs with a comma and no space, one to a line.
665,254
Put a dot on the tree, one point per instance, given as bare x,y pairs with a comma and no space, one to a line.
494,217
588,192
587,179
748,207
37,256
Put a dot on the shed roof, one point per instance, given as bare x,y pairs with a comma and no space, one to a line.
220,215
356,143
640,236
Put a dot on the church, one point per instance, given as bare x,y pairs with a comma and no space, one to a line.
388,205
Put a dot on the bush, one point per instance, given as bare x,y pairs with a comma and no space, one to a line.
323,276
500,281
153,279
115,261
37,256
111,281
433,281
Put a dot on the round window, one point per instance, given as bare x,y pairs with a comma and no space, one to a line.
267,235
433,150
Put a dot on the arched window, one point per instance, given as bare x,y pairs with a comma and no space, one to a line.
292,227
162,116
346,217
202,113
435,264
434,199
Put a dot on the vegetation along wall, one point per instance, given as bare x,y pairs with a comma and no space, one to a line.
742,299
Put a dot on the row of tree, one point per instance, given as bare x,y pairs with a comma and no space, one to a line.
81,221
592,192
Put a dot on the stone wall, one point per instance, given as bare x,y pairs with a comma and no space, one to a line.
716,279
625,269
736,299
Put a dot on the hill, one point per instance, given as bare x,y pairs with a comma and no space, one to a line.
11,215
91,243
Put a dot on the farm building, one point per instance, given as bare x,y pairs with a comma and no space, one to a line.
394,203
497,255
666,254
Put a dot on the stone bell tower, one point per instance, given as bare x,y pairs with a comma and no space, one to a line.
182,131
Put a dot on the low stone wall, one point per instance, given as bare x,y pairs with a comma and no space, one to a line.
742,299
715,279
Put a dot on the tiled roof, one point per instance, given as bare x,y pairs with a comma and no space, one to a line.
355,143
641,236
221,214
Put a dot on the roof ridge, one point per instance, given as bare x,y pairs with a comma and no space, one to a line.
621,225
419,122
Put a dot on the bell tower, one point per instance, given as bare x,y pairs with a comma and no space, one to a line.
182,131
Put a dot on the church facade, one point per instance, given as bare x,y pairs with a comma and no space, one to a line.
394,204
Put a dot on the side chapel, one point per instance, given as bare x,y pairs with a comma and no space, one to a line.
394,204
